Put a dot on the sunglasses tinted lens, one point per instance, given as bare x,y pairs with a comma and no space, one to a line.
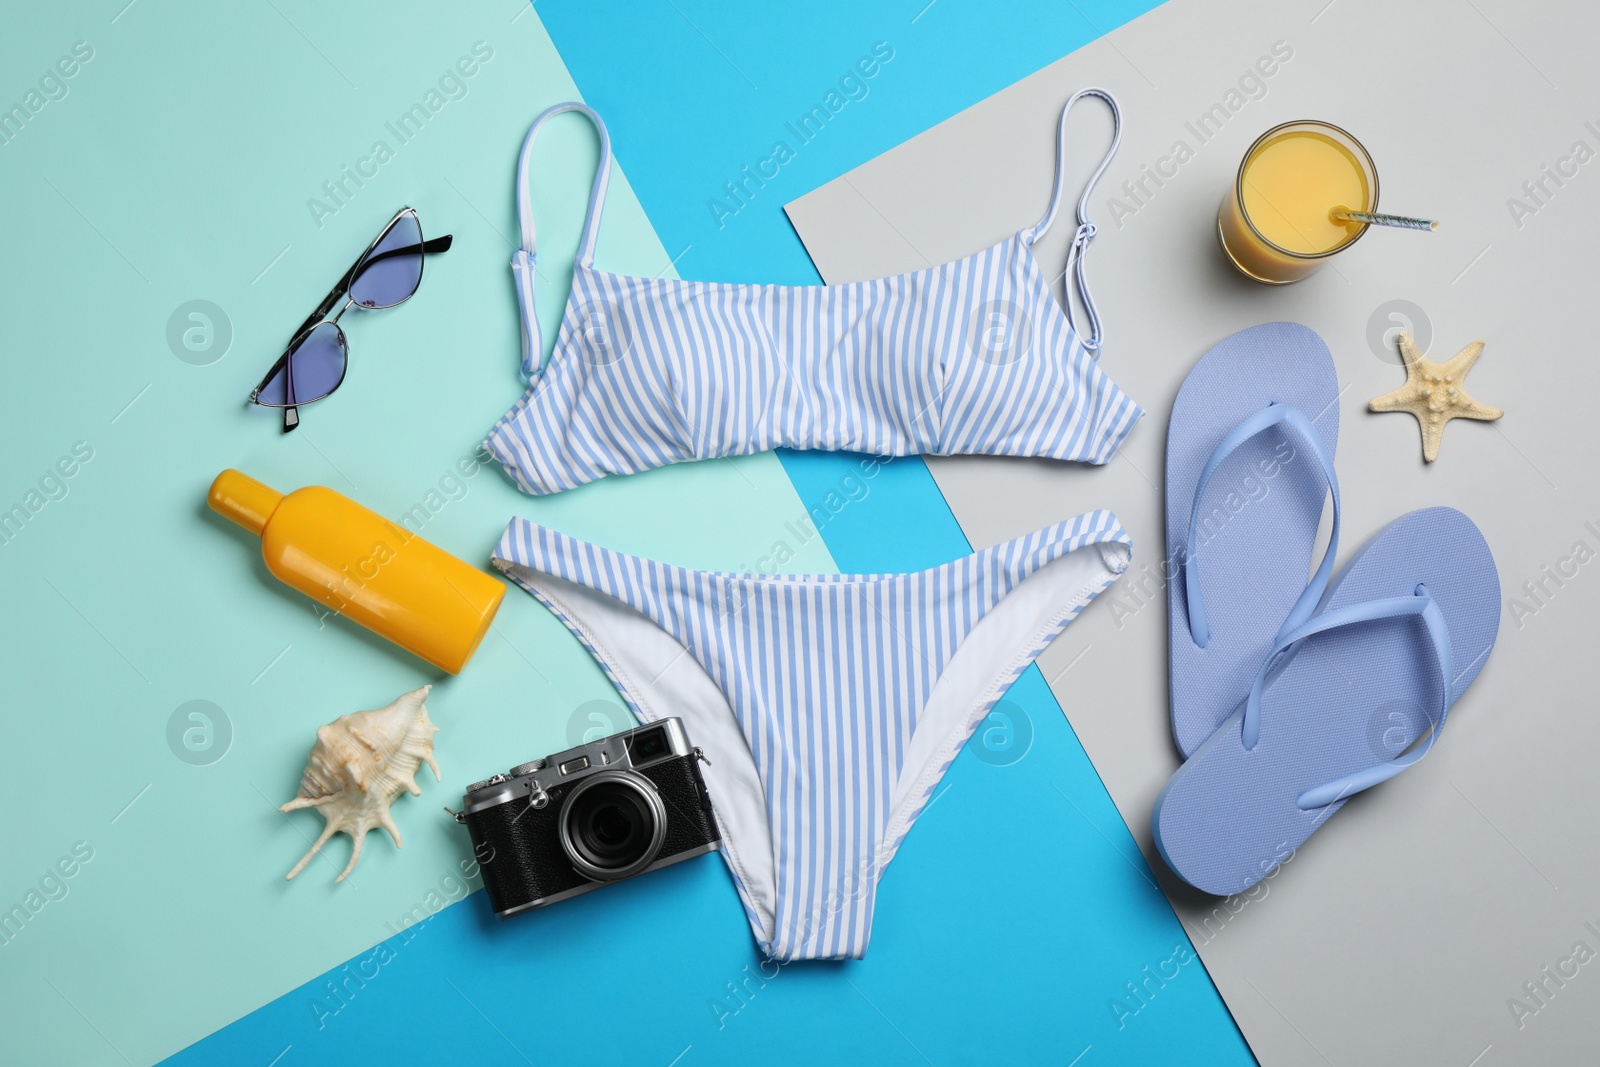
317,364
393,269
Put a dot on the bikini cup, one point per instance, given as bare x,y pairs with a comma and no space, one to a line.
969,357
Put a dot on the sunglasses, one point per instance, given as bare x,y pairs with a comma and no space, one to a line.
386,274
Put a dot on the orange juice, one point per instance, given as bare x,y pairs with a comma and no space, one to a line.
1276,223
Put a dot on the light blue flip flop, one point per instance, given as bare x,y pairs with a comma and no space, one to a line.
1347,700
1249,462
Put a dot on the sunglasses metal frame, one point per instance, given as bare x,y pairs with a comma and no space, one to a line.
341,290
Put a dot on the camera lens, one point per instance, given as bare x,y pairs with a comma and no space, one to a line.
612,825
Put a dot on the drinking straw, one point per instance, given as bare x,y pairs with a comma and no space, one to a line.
1404,222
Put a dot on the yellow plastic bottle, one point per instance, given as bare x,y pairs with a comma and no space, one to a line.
365,567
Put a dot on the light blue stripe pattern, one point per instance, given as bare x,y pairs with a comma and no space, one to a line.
971,357
830,679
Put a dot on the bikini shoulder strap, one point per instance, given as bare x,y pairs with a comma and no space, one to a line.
524,260
1086,229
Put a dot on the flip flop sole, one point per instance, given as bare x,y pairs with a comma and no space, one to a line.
1260,512
1344,701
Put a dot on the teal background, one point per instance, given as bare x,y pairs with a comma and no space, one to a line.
178,167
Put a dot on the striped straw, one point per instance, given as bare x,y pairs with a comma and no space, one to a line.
1404,222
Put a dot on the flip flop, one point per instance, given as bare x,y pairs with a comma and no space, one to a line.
1345,701
1249,461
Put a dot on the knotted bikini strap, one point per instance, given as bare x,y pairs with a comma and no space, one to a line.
1086,229
523,261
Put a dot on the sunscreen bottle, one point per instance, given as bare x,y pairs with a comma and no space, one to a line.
365,567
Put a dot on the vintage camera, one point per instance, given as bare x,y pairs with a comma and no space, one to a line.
575,821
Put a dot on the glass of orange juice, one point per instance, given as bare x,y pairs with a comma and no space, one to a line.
1277,224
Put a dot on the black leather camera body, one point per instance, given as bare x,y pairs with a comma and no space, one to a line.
607,810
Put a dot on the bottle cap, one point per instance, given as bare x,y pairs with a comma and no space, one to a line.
241,499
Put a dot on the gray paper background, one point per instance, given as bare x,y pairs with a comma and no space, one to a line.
1401,931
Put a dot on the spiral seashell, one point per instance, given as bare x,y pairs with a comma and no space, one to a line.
357,767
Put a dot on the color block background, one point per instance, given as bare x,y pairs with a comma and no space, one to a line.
1492,128
180,166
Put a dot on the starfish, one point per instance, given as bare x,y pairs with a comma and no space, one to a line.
1434,393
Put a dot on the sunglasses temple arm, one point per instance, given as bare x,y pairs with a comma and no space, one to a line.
431,247
291,414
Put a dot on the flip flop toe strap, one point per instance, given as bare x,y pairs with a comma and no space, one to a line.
1267,417
1420,605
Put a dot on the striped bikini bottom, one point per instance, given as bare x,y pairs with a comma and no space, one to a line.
828,705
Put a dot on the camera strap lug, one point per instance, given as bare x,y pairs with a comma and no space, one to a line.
537,796
458,816
700,755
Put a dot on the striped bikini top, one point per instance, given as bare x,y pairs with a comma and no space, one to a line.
971,357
